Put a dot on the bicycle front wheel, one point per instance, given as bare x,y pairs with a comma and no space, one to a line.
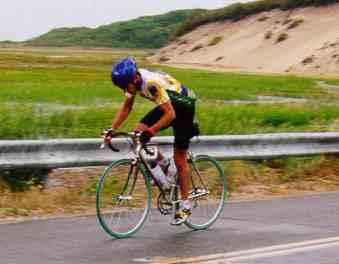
208,188
123,199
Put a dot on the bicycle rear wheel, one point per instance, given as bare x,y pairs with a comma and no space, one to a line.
123,199
208,188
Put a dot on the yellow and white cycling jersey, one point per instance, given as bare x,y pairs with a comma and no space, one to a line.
161,87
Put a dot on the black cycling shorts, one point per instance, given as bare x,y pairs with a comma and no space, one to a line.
183,125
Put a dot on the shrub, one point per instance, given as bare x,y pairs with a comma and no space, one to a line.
232,12
287,21
238,11
144,32
20,180
268,35
164,59
282,37
308,60
291,4
295,23
197,47
263,18
215,41
275,120
182,42
294,119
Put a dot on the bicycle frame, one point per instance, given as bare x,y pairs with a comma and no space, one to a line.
193,166
139,159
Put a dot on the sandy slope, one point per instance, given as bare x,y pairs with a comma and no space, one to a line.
311,47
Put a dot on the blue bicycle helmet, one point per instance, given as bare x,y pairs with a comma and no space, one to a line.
123,72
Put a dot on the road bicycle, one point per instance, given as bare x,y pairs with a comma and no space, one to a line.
124,192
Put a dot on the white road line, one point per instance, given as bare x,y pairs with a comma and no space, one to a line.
272,254
256,253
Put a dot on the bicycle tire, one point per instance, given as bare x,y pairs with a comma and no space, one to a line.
115,193
195,221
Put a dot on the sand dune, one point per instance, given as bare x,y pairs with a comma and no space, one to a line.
302,41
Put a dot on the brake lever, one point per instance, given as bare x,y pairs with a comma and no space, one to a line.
113,148
103,145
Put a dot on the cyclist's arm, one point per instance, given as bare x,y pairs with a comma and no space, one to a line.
167,118
124,111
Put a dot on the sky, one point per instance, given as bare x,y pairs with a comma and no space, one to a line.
25,19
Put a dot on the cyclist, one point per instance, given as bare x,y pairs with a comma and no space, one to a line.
175,108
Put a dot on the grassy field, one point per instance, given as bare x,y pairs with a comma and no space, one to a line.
21,121
334,82
49,93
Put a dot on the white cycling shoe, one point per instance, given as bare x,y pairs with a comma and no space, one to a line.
182,214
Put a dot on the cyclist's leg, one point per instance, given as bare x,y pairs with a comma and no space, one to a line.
149,119
181,145
180,159
183,132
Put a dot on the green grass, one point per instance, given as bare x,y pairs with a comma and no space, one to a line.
64,57
333,82
61,86
43,96
86,86
225,86
252,119
83,78
35,122
60,76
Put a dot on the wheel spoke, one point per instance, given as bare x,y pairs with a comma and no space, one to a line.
123,199
207,192
118,213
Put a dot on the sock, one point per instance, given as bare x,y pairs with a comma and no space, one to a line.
186,204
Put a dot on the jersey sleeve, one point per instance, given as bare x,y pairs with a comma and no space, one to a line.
157,92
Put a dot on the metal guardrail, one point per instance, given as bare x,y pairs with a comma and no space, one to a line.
65,153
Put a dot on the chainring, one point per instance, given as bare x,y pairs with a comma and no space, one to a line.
164,206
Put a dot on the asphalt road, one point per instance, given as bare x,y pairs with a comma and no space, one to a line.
244,235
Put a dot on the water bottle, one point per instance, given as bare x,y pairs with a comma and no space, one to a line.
160,176
171,171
